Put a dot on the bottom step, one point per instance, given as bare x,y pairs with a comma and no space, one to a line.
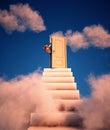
53,128
55,119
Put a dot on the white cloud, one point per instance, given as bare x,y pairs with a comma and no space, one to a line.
21,17
76,40
23,95
94,35
59,34
96,109
20,97
97,36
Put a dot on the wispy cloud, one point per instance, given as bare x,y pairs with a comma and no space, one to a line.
21,96
24,95
97,36
94,35
95,110
76,40
59,34
21,17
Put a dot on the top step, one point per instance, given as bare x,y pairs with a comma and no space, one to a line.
57,69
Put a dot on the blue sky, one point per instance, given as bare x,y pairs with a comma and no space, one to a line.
21,51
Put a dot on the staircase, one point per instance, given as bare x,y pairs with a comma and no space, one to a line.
61,86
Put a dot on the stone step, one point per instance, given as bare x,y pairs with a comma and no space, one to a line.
67,105
57,69
58,79
57,74
61,86
53,128
55,118
65,94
